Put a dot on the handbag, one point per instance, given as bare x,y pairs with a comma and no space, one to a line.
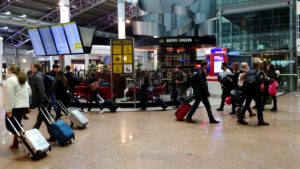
94,86
273,88
228,100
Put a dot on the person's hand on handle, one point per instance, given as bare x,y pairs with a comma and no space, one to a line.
9,114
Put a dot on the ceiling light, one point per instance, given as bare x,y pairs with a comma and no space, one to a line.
61,3
23,16
5,27
47,7
7,13
128,21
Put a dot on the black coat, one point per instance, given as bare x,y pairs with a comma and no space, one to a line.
61,92
199,84
38,89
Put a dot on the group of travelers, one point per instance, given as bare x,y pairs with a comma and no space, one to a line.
36,90
239,84
243,85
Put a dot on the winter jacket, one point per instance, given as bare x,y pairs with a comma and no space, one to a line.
15,94
38,89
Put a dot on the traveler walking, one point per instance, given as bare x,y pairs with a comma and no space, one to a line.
225,80
201,93
251,87
16,98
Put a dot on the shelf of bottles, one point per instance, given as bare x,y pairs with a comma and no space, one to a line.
171,57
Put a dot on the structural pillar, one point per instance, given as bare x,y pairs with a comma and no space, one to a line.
121,19
64,9
86,62
155,59
1,59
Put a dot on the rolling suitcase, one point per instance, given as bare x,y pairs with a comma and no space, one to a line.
32,142
111,105
58,129
182,111
75,116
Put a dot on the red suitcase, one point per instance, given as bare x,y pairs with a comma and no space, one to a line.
182,111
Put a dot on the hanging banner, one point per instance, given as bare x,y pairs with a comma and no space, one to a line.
122,55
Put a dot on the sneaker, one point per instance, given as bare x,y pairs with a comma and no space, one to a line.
25,117
274,109
220,109
262,123
190,121
214,121
242,122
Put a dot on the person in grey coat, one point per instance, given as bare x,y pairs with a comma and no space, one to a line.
39,98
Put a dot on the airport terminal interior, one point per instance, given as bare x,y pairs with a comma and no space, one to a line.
116,84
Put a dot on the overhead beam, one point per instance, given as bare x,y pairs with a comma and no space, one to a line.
3,6
112,19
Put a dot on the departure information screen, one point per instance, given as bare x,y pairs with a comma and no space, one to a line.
48,41
36,42
73,37
218,60
60,39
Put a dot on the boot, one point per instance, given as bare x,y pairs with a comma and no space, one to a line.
274,109
15,143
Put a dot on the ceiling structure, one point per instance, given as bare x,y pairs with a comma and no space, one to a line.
17,15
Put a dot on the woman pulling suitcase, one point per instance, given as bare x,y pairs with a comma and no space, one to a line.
16,102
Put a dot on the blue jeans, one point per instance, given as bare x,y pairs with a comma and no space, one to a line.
259,105
56,108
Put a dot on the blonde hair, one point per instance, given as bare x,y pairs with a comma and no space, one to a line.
244,65
15,69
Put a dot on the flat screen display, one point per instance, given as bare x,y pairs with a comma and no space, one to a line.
36,42
73,37
60,39
87,35
48,41
218,60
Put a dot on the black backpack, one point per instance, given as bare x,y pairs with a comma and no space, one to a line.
251,82
49,84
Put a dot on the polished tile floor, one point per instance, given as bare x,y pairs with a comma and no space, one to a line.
154,140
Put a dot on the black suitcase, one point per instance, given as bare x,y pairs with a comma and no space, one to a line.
111,105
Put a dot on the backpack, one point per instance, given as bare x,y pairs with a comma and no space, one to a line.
227,81
251,82
49,84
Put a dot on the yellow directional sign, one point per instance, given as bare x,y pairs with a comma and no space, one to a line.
117,50
127,58
117,59
117,68
127,49
122,51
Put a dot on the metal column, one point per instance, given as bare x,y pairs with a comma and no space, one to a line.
121,19
64,10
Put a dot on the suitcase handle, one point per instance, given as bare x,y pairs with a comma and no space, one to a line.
10,122
101,100
65,110
48,118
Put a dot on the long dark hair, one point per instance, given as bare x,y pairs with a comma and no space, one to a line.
15,69
60,76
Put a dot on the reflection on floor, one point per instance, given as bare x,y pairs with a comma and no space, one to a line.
154,140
